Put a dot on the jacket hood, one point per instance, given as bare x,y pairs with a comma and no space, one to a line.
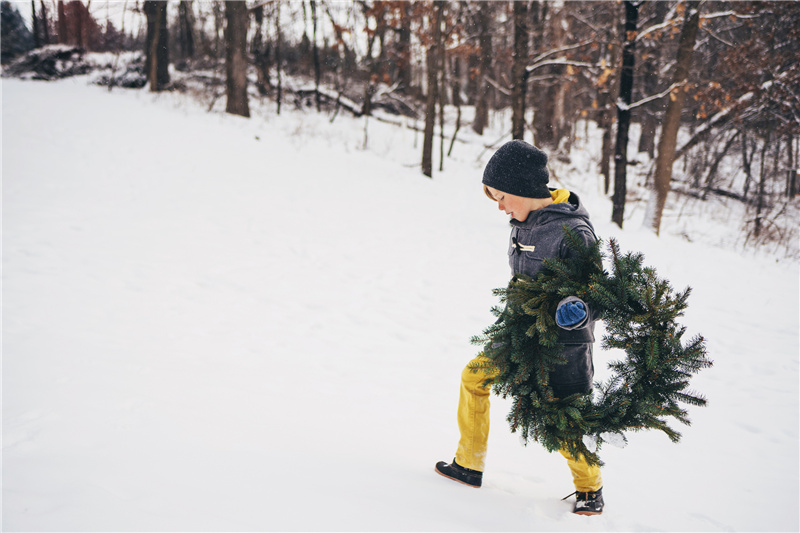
571,209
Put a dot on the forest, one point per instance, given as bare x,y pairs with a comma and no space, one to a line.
711,87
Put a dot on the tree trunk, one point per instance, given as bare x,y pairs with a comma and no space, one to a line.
455,84
648,119
430,105
315,48
519,74
163,47
624,112
278,75
761,182
156,45
672,118
650,60
45,23
791,176
550,108
606,123
404,50
37,40
218,26
712,171
746,165
62,23
482,97
236,22
260,51
442,95
186,26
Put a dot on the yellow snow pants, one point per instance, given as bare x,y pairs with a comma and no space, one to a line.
473,424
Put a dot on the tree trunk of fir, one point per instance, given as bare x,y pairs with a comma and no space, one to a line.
672,117
519,73
482,97
624,112
236,22
430,106
157,45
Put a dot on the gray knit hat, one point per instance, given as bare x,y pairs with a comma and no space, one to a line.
518,168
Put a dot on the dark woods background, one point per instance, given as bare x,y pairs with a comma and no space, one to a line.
711,86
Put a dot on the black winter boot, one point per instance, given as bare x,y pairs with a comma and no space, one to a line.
588,503
456,472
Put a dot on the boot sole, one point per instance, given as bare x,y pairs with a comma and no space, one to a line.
456,480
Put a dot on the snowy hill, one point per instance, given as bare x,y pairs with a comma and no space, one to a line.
219,324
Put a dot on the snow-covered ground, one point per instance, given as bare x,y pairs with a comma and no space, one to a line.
219,324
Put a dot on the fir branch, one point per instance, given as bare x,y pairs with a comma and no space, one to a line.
639,310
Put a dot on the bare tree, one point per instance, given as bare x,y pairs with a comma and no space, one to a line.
430,106
62,23
315,48
236,22
278,55
186,29
672,118
484,68
649,55
624,112
45,23
519,73
157,45
37,40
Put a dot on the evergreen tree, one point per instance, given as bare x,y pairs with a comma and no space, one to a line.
16,37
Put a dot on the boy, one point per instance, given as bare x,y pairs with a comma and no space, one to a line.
516,178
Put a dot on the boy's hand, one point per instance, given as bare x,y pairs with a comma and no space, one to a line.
570,314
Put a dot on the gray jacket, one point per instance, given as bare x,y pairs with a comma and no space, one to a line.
541,236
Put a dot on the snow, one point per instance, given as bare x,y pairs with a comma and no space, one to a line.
212,323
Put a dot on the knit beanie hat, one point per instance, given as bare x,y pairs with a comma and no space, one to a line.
518,168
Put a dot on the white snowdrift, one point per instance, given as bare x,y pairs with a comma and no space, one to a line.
219,324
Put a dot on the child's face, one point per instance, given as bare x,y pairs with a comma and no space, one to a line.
518,207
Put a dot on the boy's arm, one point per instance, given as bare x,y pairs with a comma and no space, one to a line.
572,312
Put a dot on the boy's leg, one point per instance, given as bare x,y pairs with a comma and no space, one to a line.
473,424
473,417
586,478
